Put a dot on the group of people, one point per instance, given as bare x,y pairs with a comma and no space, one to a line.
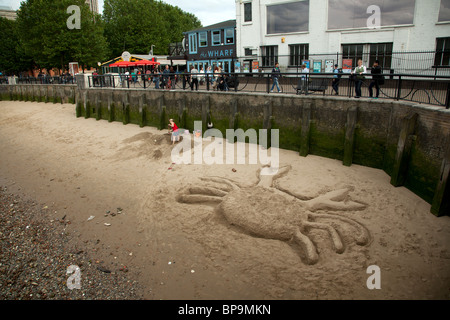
218,80
165,79
358,75
377,78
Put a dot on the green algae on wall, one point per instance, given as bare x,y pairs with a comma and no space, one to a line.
369,150
327,143
423,174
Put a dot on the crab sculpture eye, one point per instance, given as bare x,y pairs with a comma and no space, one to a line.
271,212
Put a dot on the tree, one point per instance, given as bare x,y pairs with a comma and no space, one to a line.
9,41
44,34
136,25
12,58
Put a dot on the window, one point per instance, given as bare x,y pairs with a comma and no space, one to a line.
248,51
298,53
344,14
444,11
269,55
203,39
248,12
215,37
381,52
442,57
352,51
288,17
229,36
193,43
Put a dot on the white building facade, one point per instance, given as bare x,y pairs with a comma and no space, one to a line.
327,32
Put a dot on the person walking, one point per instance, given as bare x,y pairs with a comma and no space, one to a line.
377,79
336,79
359,72
276,74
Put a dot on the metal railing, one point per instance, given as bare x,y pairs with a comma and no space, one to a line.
423,63
47,80
433,90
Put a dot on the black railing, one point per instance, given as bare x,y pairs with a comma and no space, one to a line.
46,80
433,90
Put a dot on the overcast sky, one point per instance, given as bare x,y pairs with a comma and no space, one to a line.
208,11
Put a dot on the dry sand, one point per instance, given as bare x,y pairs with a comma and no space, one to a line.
187,249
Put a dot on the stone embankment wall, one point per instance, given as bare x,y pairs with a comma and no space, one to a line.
410,142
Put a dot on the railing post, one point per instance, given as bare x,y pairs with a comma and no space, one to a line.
235,83
306,84
207,81
399,87
268,83
447,98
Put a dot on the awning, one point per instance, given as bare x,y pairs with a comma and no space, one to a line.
173,62
144,63
122,64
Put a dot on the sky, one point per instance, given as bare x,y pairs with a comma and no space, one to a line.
208,11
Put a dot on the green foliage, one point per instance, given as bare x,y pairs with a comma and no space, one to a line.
40,37
136,25
12,58
43,34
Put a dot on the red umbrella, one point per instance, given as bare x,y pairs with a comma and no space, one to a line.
144,63
121,64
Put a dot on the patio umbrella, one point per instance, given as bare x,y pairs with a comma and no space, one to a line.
122,64
144,63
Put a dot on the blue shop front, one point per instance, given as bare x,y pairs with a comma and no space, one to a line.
214,45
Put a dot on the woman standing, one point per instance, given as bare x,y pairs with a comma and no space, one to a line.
359,72
172,78
156,78
216,77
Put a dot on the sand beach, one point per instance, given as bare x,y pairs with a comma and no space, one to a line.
219,232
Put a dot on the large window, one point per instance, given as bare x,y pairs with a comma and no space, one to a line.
215,37
269,55
444,11
353,52
203,39
193,43
298,53
344,14
288,17
442,57
381,52
229,36
248,12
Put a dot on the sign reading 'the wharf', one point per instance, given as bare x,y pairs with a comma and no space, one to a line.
208,54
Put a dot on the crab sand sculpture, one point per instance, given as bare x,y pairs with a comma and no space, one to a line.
267,211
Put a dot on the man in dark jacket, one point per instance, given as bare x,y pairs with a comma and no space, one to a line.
276,74
377,79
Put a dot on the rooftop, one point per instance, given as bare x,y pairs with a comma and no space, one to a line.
220,25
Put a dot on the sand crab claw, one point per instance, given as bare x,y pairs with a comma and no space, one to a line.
268,211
